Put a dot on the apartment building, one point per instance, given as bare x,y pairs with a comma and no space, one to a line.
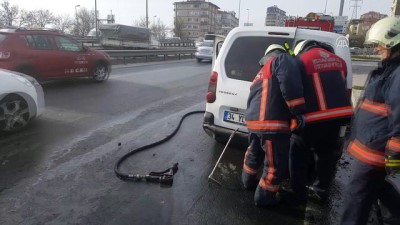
226,21
196,18
395,8
371,17
275,17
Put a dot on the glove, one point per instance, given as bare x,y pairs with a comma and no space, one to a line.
298,124
392,165
393,172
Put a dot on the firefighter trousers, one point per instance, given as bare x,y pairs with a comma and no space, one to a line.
367,185
314,152
272,151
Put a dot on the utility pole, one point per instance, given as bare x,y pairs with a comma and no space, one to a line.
147,14
341,8
355,8
326,3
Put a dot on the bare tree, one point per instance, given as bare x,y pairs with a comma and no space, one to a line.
26,18
9,13
178,27
86,20
159,29
140,23
63,23
43,17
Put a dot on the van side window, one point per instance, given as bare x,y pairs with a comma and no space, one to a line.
241,62
67,44
39,41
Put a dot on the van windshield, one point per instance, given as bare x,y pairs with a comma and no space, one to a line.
241,63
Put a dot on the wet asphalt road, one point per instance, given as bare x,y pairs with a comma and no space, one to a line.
60,169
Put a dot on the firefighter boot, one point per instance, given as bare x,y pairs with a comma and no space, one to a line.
249,181
263,198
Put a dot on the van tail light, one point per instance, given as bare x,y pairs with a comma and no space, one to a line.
5,55
212,88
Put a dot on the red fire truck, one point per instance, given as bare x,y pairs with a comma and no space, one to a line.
312,21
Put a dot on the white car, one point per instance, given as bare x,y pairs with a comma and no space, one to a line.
204,51
235,65
21,100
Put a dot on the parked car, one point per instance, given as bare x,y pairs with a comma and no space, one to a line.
204,51
197,43
21,100
355,50
48,55
235,66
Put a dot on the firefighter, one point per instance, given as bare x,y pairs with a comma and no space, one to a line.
375,133
276,94
328,109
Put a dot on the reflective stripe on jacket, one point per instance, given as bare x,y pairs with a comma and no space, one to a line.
325,86
376,126
276,94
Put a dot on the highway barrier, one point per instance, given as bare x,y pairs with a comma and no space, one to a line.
129,56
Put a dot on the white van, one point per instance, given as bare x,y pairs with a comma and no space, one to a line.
236,64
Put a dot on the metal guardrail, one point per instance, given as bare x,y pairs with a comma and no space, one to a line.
127,54
87,39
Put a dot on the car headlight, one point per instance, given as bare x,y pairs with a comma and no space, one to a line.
27,80
32,80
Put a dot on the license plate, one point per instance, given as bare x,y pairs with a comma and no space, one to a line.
234,117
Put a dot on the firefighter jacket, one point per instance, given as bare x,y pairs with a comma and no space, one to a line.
276,94
324,80
376,124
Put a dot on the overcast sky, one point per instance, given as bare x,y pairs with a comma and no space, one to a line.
128,11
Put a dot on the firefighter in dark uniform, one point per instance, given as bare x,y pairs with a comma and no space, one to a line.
328,109
276,95
375,135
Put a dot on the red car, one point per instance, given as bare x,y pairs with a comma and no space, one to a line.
49,55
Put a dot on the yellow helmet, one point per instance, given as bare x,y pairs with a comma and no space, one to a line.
385,32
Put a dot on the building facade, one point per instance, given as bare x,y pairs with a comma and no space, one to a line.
275,17
395,8
340,24
371,17
226,21
195,18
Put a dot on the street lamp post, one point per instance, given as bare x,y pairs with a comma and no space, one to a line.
76,18
147,14
95,15
239,14
248,15
154,20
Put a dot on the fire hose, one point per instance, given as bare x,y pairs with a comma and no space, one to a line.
164,177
